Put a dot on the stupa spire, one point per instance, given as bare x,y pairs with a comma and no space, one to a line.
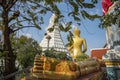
55,41
51,21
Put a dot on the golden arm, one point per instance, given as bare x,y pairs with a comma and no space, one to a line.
84,46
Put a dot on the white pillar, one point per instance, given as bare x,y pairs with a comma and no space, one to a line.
109,36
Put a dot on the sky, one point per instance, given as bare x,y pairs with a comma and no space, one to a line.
95,36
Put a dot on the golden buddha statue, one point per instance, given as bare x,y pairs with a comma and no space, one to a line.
79,45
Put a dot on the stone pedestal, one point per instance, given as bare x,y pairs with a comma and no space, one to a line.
112,61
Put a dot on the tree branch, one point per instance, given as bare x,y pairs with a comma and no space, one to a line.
21,28
9,2
14,16
12,2
1,50
47,8
1,2
17,22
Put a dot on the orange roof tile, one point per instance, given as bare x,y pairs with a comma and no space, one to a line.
98,53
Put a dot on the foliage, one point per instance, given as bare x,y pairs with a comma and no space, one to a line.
81,57
62,55
111,19
70,39
50,53
1,55
58,55
33,13
77,12
26,49
25,60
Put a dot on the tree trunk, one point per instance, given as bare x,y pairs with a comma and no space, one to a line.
9,56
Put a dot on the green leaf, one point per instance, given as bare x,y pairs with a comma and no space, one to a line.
76,18
61,27
24,17
86,15
43,11
67,26
70,13
88,5
79,2
75,6
34,19
50,29
94,1
18,22
34,7
41,20
79,24
70,33
37,26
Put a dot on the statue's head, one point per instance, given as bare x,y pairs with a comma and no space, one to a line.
76,32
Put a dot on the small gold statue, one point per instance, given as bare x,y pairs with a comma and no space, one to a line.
79,45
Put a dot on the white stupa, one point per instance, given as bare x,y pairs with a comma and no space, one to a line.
56,41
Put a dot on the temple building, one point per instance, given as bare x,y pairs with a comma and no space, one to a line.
53,40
